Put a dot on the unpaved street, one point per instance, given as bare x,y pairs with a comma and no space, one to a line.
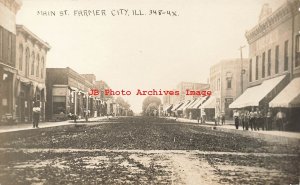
141,150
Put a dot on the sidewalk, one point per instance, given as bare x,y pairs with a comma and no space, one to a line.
28,126
230,126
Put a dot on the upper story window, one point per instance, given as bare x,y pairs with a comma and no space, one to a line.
9,48
1,42
20,57
218,84
42,67
228,80
32,63
269,62
277,59
37,65
286,55
297,62
256,68
263,71
250,70
27,59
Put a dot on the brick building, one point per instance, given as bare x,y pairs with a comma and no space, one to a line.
31,57
226,79
67,92
8,71
274,59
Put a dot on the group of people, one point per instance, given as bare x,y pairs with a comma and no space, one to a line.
257,119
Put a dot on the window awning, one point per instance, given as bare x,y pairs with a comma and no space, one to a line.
289,96
184,105
210,103
199,103
73,88
176,106
189,104
167,107
253,95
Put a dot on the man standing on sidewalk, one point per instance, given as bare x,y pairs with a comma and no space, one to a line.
252,119
280,119
36,110
236,116
269,120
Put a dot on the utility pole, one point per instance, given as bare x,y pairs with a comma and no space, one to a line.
242,70
87,109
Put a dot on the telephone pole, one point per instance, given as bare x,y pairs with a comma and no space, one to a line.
242,70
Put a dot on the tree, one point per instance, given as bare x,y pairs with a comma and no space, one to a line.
154,101
122,102
152,109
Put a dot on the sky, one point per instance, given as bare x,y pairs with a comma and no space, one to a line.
143,52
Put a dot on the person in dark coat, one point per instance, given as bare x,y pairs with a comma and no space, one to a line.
269,121
223,118
236,116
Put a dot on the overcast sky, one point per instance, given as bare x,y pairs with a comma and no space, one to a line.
143,52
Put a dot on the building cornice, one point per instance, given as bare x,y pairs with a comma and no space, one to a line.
31,36
282,14
12,5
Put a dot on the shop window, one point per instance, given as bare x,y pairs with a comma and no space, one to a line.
59,104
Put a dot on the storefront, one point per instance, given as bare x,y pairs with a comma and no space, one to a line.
288,100
260,95
7,75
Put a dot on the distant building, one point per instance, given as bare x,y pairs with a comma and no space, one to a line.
226,81
8,71
31,58
183,86
179,105
68,92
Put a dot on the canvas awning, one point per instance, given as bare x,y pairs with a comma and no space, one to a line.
73,88
197,103
189,104
184,105
289,96
253,95
176,106
167,107
210,103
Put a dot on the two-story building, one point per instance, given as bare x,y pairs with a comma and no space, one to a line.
8,71
31,57
228,79
274,60
67,92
